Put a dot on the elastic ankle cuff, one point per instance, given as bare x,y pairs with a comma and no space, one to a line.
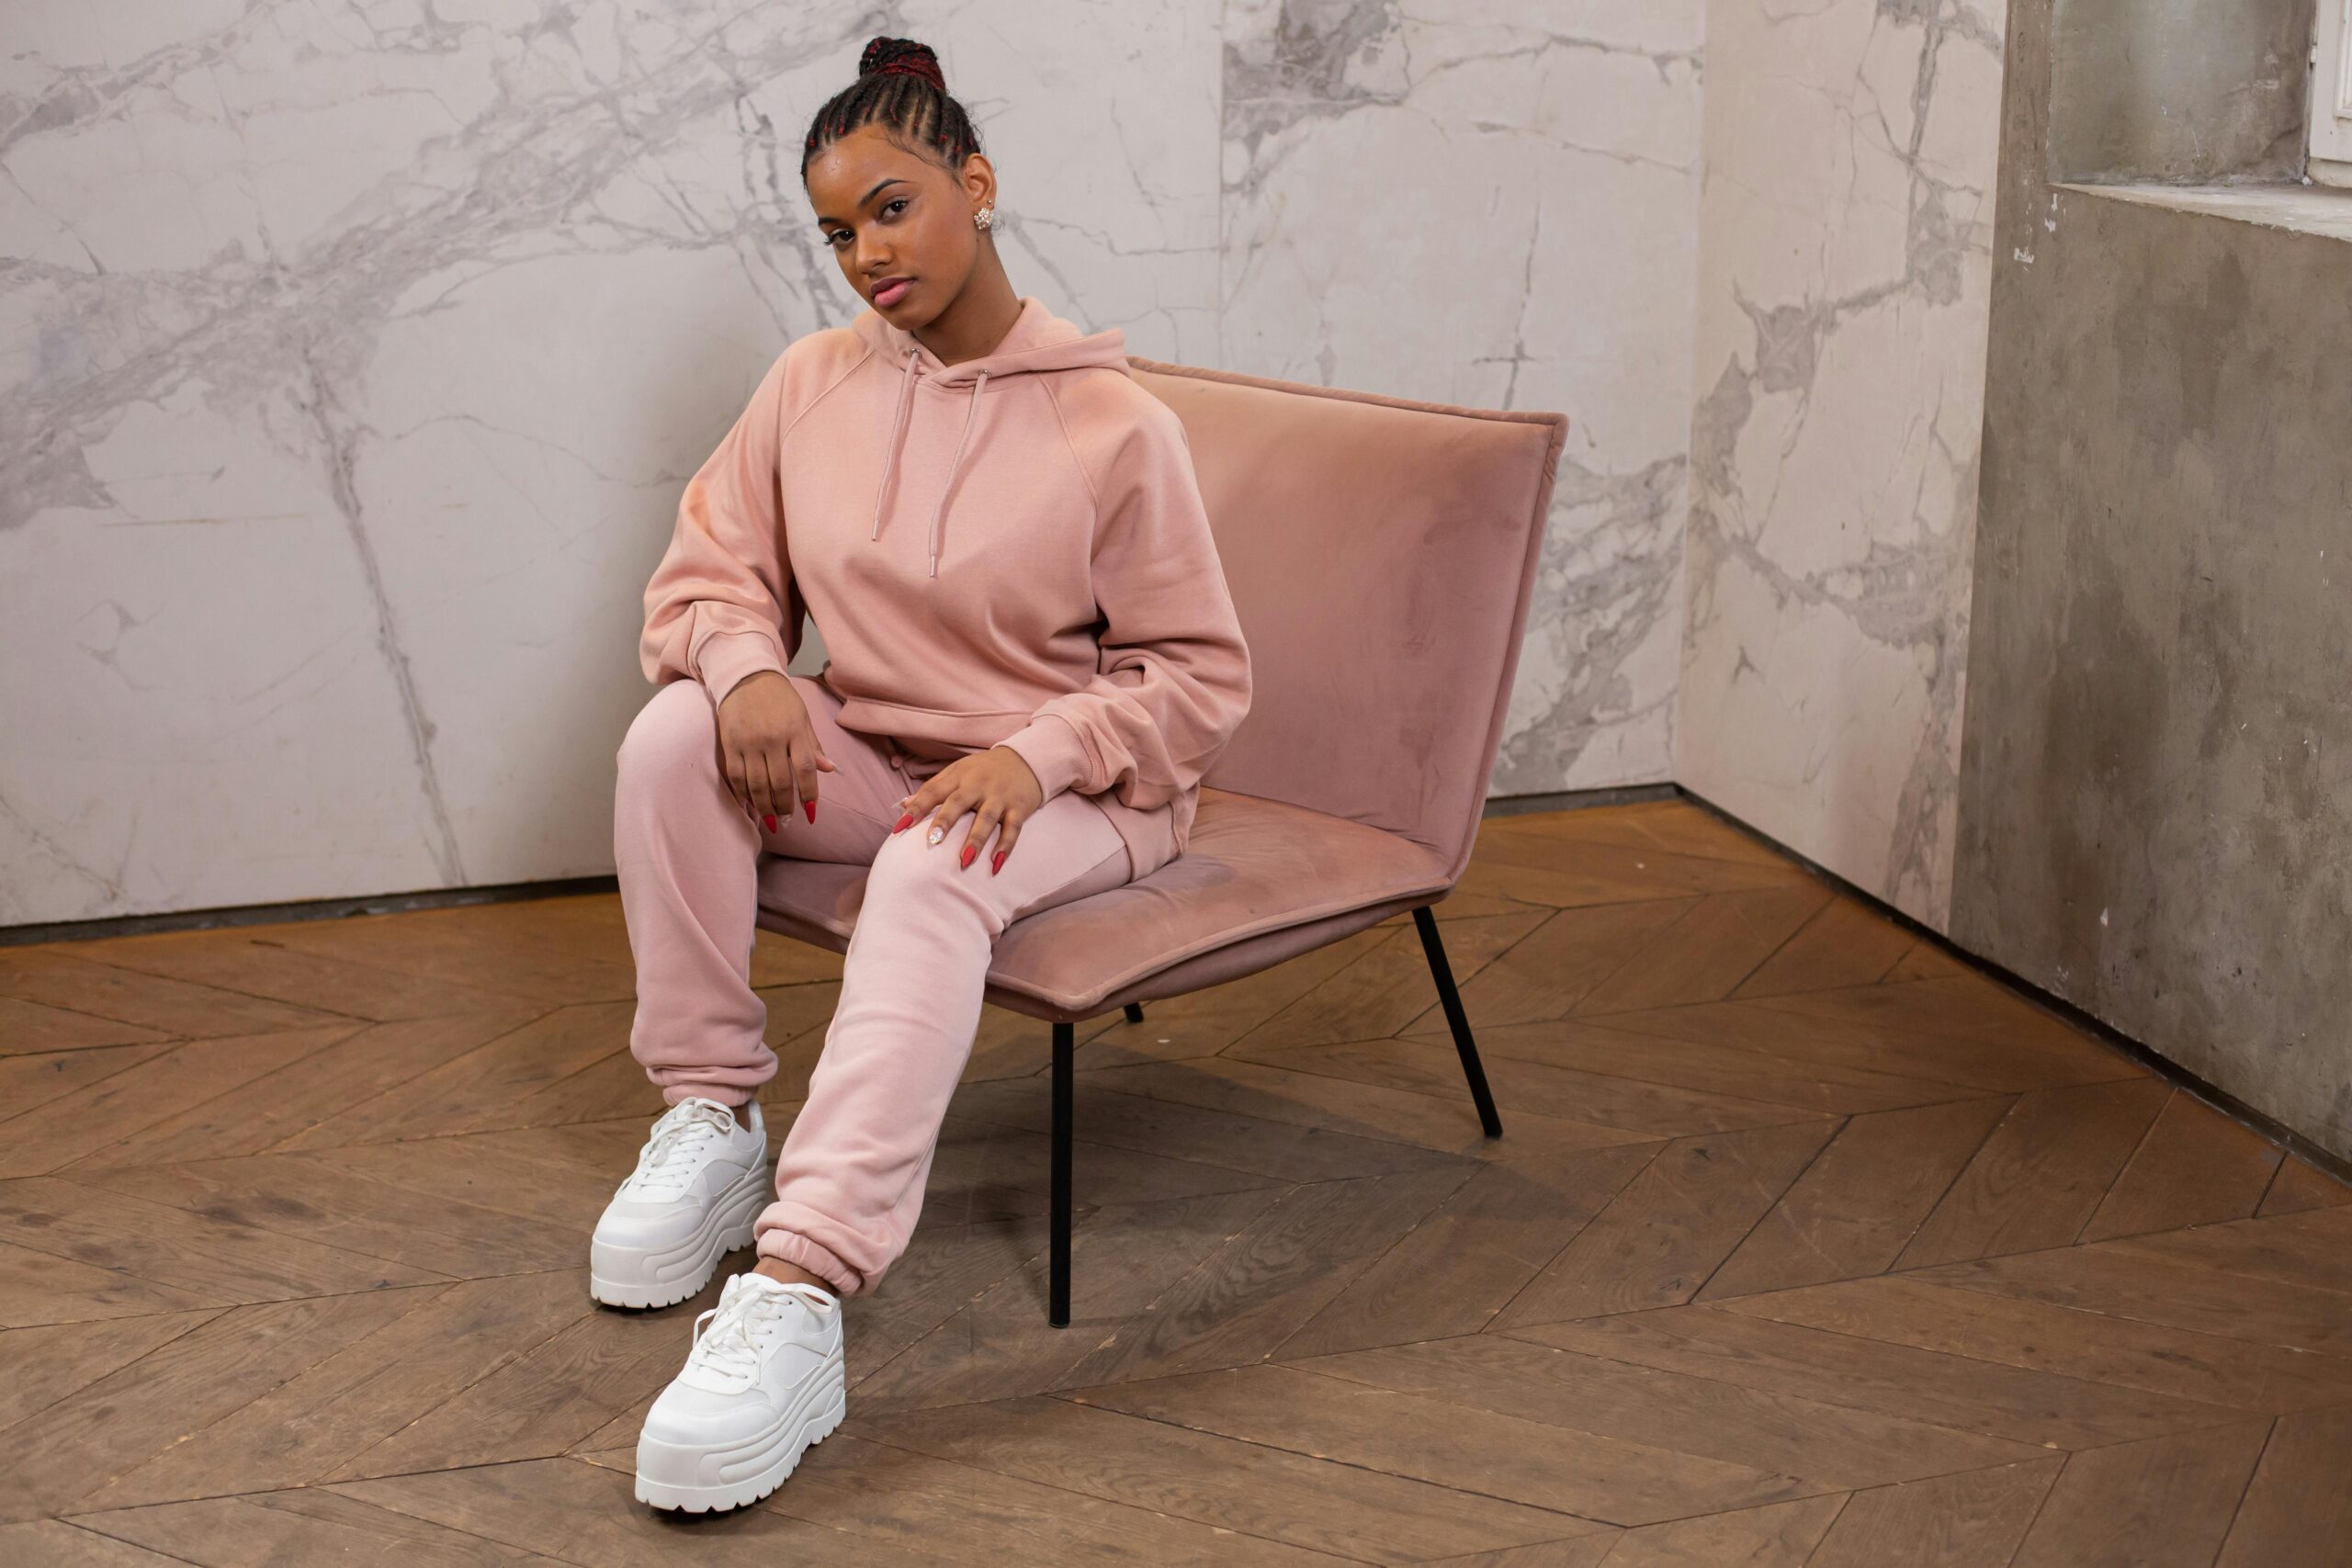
674,1092
791,1246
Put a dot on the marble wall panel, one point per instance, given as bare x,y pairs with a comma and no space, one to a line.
352,358
1495,203
1843,266
355,355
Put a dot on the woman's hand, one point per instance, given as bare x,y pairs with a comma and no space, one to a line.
996,785
769,747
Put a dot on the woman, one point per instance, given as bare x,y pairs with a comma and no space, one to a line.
1031,648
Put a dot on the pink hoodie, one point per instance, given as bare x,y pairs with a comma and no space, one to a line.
1010,550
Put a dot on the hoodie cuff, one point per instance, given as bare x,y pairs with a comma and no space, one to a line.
726,658
1051,747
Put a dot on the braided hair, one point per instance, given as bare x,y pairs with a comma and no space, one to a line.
900,87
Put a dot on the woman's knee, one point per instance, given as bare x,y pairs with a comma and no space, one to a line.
904,856
676,733
907,867
907,864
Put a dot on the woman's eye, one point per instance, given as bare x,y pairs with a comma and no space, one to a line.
895,202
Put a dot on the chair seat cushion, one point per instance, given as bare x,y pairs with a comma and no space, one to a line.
1252,866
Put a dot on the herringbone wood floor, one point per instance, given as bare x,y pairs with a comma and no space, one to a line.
1803,1245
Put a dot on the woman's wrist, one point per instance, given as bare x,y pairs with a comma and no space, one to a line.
1051,747
729,659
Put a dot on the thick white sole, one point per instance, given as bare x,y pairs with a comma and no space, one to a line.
697,1480
660,1277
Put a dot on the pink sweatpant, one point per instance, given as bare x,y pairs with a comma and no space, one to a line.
851,1173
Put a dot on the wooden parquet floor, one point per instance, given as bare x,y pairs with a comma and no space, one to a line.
1804,1245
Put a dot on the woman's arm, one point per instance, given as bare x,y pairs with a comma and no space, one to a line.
1173,681
721,604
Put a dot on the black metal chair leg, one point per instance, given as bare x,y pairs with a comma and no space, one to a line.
1458,1020
1058,1285
1135,1012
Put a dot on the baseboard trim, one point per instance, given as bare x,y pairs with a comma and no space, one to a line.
303,910
1579,799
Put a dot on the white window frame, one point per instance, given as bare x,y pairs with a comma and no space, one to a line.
2330,136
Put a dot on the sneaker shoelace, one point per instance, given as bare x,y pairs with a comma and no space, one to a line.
668,1160
728,1337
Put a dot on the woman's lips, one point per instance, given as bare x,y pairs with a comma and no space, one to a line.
890,294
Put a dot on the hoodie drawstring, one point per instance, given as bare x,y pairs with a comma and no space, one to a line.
890,456
941,510
890,451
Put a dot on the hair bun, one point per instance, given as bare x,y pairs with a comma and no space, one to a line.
887,56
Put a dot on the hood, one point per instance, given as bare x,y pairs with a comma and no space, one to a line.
1037,342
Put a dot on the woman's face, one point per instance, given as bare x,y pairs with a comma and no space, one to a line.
899,225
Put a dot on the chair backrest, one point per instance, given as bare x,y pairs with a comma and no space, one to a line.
1381,553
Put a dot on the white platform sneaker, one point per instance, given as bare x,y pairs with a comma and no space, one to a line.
701,1180
762,1385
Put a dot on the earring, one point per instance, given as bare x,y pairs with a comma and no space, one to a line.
985,218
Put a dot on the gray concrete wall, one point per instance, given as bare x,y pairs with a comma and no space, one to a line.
2178,89
2155,789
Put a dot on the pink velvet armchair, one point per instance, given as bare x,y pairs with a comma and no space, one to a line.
1381,554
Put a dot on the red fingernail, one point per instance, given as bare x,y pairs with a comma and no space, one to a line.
968,852
903,821
770,820
813,810
997,865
